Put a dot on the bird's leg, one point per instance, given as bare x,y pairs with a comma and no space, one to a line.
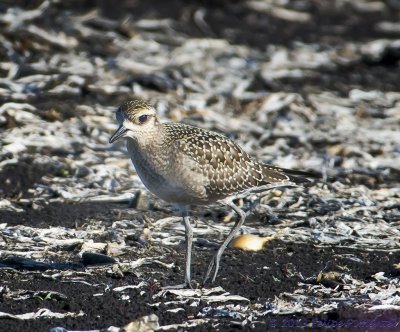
214,264
189,240
188,257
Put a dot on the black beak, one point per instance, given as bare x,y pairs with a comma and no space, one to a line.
118,134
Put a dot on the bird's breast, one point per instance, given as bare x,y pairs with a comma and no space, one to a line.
169,175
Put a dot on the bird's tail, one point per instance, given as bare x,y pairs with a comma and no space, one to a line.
295,176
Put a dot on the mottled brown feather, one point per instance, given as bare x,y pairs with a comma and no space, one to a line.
189,165
227,166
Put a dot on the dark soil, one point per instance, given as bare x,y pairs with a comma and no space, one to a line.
257,276
241,273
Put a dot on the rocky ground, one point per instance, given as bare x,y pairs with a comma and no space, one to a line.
310,85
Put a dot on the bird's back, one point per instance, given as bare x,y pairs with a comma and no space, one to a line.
224,167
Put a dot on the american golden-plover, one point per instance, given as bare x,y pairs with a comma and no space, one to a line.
186,165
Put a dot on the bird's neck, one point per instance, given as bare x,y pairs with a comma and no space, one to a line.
148,153
147,141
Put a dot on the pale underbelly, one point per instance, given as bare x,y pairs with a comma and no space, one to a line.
181,191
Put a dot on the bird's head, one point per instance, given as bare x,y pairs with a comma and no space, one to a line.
135,118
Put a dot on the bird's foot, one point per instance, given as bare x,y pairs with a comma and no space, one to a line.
214,265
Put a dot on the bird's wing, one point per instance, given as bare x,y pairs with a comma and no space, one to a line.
226,166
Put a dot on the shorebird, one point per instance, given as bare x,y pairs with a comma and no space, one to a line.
187,165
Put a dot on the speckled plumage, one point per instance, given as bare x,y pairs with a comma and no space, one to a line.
203,165
225,168
188,165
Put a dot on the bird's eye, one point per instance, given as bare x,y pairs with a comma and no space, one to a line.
143,118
